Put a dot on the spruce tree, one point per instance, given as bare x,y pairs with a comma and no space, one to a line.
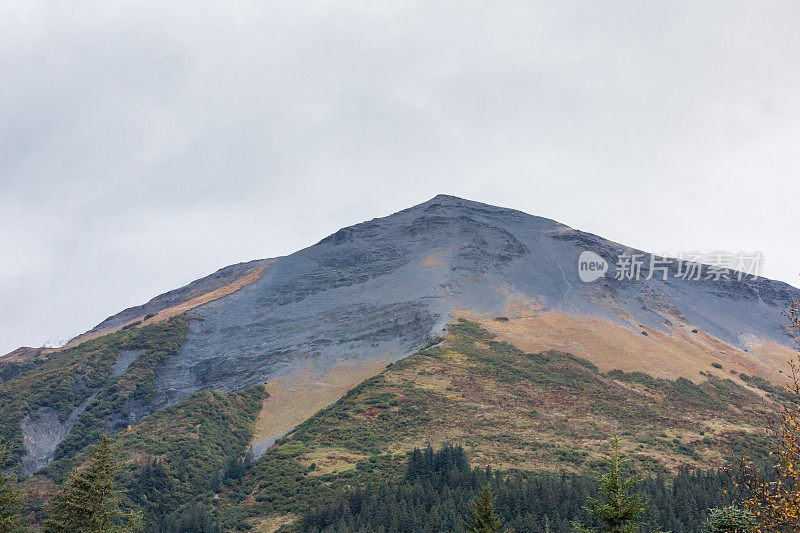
484,519
618,509
9,500
88,501
730,520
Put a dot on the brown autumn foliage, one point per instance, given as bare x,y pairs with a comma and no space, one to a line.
776,503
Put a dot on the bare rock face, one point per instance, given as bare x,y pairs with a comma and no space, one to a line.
42,434
126,357
386,286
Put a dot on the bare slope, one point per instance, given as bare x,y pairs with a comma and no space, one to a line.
380,289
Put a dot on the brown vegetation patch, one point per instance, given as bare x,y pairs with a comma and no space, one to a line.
371,412
678,353
138,458
330,461
475,396
294,398
271,524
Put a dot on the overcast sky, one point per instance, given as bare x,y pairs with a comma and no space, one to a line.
146,144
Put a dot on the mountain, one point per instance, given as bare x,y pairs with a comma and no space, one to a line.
382,288
312,326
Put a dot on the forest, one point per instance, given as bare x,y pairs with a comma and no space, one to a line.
439,486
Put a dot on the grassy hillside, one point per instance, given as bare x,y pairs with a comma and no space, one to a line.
508,409
180,453
65,379
176,459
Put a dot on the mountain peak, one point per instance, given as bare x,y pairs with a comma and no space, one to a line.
440,198
448,200
451,203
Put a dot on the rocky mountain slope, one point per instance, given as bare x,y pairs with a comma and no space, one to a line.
315,323
384,287
378,290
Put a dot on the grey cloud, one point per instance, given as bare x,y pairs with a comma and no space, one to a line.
146,144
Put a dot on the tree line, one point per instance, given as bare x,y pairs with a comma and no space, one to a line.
441,492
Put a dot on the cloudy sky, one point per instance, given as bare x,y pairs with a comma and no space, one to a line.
146,144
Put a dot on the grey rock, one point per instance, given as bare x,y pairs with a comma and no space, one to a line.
386,286
126,357
42,434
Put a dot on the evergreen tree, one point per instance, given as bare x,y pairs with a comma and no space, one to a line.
88,502
730,520
484,520
618,509
9,500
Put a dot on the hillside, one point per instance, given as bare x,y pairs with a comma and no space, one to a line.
449,323
510,410
57,404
